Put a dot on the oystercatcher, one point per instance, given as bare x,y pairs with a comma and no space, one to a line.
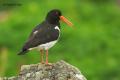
46,34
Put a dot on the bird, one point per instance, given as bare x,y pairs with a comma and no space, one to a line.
45,35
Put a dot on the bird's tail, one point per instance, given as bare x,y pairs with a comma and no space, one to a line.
23,51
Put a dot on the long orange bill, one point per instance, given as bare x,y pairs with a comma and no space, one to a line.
66,21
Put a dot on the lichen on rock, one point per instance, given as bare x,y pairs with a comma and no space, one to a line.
56,71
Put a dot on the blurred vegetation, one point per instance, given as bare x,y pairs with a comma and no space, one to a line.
93,45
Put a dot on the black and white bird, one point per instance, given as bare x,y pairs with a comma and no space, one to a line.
46,34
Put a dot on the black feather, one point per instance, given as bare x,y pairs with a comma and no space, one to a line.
23,51
46,32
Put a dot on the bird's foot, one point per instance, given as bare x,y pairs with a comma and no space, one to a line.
42,62
48,64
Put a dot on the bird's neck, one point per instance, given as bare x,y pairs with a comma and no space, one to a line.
52,21
52,24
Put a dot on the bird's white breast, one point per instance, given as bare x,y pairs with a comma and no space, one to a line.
46,46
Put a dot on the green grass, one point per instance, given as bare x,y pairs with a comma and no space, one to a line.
92,45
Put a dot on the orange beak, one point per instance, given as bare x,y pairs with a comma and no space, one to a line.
62,18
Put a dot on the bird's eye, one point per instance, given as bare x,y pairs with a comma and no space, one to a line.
56,13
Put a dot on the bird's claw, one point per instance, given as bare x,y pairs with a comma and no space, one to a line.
48,64
42,62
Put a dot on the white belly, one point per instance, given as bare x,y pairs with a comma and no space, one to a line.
46,46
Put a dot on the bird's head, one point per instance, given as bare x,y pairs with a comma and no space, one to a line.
54,16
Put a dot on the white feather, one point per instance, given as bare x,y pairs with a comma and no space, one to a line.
56,27
35,32
46,46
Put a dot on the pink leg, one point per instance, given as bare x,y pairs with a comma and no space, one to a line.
46,57
42,58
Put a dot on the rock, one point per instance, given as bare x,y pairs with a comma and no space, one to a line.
56,71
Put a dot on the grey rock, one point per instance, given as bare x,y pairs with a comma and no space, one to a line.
56,71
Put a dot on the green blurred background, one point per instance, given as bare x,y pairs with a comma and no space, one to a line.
93,45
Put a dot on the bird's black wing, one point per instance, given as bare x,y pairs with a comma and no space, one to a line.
43,33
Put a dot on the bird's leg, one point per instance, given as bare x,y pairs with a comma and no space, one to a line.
42,56
46,57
